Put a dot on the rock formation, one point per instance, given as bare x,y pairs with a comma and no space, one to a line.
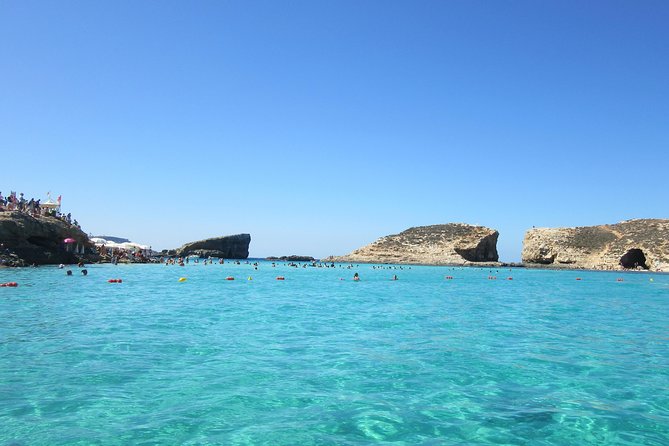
449,244
227,247
28,239
292,258
641,244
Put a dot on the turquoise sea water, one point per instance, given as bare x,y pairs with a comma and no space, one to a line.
542,359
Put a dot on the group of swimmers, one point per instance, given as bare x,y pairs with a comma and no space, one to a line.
84,272
183,261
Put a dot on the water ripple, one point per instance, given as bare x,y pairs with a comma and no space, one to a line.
314,360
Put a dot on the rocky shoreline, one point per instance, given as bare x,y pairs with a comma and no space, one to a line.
641,244
27,240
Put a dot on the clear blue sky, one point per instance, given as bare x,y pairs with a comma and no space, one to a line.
319,126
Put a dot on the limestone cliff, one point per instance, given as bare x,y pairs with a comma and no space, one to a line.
227,247
449,244
28,239
641,244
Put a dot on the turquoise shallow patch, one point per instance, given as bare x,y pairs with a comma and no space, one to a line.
542,359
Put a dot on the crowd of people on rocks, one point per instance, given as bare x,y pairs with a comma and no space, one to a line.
34,207
123,256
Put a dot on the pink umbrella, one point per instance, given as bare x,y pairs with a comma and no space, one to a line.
69,240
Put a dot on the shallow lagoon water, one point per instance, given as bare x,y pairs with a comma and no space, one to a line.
542,359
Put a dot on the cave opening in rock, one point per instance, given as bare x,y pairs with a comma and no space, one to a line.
633,259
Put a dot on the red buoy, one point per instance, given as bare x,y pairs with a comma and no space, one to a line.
280,278
229,278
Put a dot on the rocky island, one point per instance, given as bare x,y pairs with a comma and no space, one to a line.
631,244
39,239
226,247
291,258
447,244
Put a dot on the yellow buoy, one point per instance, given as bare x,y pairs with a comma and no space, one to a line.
250,278
182,279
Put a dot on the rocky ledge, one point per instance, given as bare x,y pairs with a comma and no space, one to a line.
448,244
227,247
632,244
28,239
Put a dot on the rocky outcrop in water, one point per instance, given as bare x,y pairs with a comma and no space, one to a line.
28,240
227,247
449,244
292,258
632,244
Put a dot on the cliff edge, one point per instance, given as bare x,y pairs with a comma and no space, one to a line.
631,244
28,239
448,244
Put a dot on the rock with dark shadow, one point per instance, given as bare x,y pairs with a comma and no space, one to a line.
26,239
226,247
448,244
633,244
